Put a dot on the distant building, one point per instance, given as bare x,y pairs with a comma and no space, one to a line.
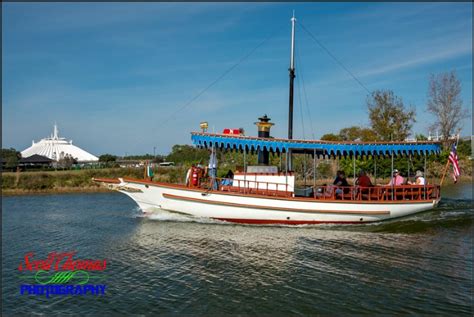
166,164
440,137
57,148
35,161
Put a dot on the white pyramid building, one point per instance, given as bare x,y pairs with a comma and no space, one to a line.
56,148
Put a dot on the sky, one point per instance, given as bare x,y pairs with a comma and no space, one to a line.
119,78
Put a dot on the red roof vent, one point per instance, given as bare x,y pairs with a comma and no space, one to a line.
233,131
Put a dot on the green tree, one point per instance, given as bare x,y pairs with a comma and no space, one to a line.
464,148
159,159
139,157
324,170
107,158
67,161
388,117
331,137
421,137
11,157
444,101
187,153
351,134
355,133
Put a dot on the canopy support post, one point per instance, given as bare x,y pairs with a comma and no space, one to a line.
391,176
354,167
286,171
304,169
213,167
280,162
375,170
245,169
426,178
314,170
408,163
289,161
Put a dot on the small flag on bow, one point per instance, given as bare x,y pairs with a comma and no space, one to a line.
150,171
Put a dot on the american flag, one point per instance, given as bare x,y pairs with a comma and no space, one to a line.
453,158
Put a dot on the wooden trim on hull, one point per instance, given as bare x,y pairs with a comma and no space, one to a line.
286,209
288,222
184,187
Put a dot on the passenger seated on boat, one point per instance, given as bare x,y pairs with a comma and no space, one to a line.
339,187
396,179
322,191
341,181
228,179
364,181
419,179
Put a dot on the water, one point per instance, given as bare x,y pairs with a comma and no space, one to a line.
175,265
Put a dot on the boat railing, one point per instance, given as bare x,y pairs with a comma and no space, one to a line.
331,192
252,187
377,193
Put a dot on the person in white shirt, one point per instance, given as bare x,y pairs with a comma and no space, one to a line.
419,179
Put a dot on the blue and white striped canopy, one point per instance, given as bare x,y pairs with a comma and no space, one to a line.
251,144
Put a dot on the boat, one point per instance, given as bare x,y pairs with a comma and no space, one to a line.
267,195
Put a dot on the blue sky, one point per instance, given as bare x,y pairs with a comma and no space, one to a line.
114,75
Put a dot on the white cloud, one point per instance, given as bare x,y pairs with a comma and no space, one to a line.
428,55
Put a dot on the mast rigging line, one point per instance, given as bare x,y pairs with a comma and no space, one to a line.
227,71
301,106
334,57
298,62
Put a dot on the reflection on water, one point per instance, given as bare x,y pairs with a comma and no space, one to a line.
167,264
458,191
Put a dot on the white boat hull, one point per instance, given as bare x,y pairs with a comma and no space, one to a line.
253,209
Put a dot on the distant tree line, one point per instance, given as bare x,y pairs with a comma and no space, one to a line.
10,158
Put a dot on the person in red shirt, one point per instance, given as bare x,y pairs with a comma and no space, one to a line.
363,180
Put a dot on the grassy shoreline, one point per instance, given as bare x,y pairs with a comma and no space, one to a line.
58,182
55,191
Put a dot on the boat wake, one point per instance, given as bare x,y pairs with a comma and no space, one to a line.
165,215
450,214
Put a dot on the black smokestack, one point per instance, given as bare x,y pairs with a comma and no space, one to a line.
263,132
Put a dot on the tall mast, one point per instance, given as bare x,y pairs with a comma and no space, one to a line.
292,78
292,81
